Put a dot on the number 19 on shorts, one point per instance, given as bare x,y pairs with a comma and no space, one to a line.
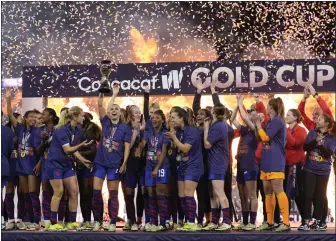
161,173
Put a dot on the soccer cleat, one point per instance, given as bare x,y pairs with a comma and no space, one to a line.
85,227
265,227
249,227
127,227
224,227
72,226
158,228
111,228
191,227
321,226
56,228
304,227
20,225
10,226
283,228
96,226
239,227
134,227
210,227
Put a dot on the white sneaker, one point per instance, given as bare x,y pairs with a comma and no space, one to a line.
111,228
135,227
96,226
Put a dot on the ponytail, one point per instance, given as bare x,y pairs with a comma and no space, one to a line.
278,106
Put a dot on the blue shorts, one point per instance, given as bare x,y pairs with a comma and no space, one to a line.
243,176
142,181
111,174
58,174
12,170
216,177
3,181
188,178
162,177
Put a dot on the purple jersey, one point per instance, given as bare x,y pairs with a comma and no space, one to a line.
57,158
218,154
273,158
27,158
190,163
38,140
110,151
315,163
246,151
7,145
155,142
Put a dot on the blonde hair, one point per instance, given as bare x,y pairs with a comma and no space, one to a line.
67,115
155,105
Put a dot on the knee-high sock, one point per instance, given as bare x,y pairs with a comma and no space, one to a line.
245,217
253,216
215,215
226,216
113,206
62,209
36,206
181,208
139,203
53,217
147,209
191,207
269,208
29,207
163,209
46,200
153,204
172,208
21,206
97,205
9,204
72,216
184,208
283,205
130,208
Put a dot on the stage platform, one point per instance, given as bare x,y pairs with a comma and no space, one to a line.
328,235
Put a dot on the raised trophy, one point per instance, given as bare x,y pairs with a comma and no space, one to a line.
105,70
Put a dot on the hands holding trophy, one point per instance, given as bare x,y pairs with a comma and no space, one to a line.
105,70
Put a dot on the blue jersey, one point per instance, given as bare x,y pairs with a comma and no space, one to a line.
57,158
38,140
110,151
273,158
155,142
190,163
27,158
246,152
7,145
219,152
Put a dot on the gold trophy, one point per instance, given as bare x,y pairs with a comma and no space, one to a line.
105,70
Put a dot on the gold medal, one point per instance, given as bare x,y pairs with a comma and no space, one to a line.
23,154
319,159
110,149
45,155
170,151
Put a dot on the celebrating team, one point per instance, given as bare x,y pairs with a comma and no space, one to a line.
72,156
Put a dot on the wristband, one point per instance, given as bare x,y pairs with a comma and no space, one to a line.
316,94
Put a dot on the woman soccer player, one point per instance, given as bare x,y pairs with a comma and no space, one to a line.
58,169
190,167
272,163
157,172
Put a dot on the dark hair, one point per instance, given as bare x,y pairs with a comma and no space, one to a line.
91,129
219,112
16,115
181,113
52,112
207,112
88,115
331,123
26,115
160,113
278,106
173,108
37,111
296,113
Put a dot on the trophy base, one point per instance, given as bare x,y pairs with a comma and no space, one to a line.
104,90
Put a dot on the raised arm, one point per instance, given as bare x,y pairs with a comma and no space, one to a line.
146,103
307,122
244,115
320,101
215,97
233,118
11,117
196,106
101,109
260,108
